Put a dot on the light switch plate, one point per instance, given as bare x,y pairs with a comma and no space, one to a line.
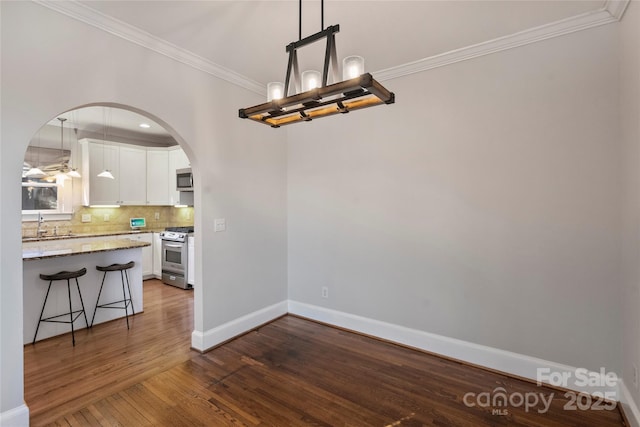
86,217
219,224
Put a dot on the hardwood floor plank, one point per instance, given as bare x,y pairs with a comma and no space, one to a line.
290,372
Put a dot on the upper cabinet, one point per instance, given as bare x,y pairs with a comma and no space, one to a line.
95,159
133,175
143,176
158,177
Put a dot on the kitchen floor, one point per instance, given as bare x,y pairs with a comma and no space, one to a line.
60,379
289,372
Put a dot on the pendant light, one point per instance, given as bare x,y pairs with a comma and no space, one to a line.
60,175
73,172
36,172
106,173
313,97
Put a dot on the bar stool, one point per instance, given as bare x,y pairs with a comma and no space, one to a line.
63,275
122,268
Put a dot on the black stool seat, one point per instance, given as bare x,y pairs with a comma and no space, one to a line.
116,267
63,275
125,302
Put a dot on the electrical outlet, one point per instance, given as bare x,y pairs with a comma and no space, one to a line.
105,217
325,292
219,224
635,376
157,216
86,217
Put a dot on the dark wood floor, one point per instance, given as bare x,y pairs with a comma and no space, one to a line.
291,372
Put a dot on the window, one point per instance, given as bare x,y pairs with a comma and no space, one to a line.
42,195
39,195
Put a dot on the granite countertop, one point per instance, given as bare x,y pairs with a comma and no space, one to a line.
80,235
65,247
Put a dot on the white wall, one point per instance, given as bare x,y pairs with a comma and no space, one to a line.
54,64
483,205
629,90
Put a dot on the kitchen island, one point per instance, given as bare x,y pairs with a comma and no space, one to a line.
52,256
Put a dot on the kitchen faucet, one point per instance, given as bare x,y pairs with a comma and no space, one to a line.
39,232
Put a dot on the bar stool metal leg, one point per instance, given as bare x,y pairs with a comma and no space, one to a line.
124,296
73,336
42,311
126,274
104,276
82,303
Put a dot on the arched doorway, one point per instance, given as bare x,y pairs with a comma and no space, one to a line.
101,124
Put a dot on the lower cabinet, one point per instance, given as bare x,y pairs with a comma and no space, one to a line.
157,256
147,253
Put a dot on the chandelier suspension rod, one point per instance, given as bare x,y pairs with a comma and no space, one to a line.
300,18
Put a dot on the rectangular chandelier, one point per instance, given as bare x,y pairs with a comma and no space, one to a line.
321,100
360,92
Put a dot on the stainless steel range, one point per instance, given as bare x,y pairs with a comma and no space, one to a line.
175,256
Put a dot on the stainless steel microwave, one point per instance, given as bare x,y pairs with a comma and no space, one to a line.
184,179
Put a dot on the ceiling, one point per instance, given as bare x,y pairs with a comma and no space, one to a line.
102,123
248,37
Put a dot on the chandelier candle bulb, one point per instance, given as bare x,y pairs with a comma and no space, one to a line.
275,90
352,67
310,80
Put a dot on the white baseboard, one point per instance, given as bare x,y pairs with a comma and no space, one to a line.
16,417
489,357
203,341
500,360
629,405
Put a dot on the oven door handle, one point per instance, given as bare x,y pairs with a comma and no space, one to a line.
172,246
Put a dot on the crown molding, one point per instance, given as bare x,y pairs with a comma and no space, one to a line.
616,7
128,32
612,11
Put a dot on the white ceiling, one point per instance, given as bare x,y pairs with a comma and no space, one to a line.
103,120
249,37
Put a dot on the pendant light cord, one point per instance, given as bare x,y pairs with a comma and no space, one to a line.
62,120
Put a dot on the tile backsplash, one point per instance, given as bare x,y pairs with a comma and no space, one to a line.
105,220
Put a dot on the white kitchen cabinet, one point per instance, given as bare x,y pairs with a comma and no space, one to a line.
132,178
191,262
158,177
96,158
143,176
177,160
127,163
157,256
147,253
